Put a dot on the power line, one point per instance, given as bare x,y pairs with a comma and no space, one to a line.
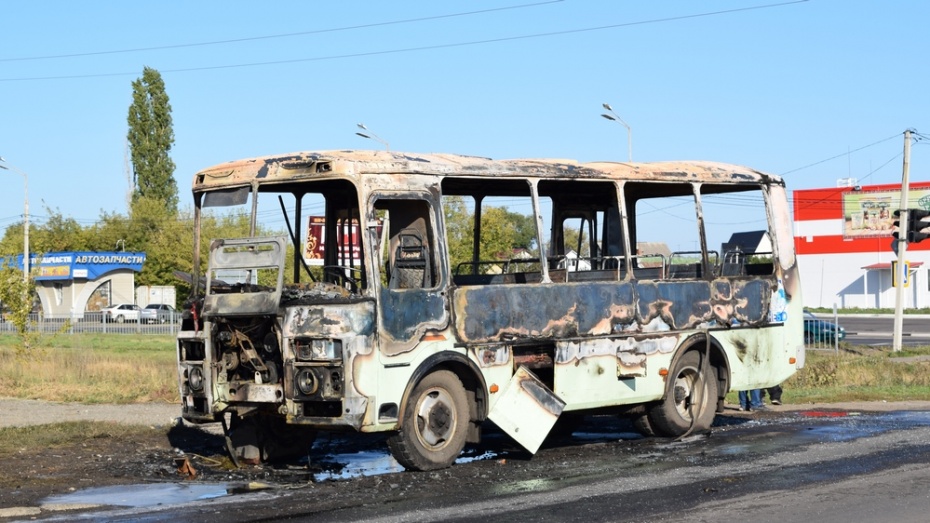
282,35
420,48
841,155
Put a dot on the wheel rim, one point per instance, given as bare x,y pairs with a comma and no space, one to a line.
687,392
435,418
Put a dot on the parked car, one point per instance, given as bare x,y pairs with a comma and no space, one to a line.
821,331
121,312
157,313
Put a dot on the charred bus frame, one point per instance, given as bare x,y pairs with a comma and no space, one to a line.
398,339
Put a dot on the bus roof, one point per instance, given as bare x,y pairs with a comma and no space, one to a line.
352,163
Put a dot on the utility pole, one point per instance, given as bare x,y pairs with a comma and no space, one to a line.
7,167
614,117
902,246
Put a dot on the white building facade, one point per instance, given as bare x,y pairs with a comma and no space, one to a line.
843,239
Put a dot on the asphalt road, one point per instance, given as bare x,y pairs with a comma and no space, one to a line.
875,330
794,464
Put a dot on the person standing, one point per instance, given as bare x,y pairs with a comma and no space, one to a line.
774,394
751,400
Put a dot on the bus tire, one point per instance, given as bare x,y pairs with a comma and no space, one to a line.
434,425
267,438
672,416
643,426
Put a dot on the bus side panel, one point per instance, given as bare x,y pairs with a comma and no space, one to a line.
491,313
612,338
601,372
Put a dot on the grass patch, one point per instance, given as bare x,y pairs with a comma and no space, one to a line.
108,368
861,374
18,439
92,368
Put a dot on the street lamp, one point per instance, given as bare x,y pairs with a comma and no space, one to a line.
629,132
372,136
9,167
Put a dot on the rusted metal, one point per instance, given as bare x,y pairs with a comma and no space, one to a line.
307,166
496,313
533,361
324,354
185,469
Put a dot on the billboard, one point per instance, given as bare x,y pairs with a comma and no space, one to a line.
871,213
73,265
348,240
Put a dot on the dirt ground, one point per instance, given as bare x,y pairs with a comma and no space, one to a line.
163,450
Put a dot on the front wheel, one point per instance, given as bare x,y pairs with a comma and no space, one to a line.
434,426
691,395
265,438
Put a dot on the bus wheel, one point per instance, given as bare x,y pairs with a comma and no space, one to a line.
690,394
266,438
435,422
642,425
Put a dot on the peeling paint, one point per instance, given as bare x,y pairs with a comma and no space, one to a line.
495,313
324,355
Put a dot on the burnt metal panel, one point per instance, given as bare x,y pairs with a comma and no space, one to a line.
244,254
330,320
354,163
526,410
495,313
502,312
407,313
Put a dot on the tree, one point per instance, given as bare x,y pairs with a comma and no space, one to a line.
18,298
58,234
151,137
459,230
12,242
502,231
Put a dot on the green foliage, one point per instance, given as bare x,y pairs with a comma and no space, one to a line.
151,136
57,234
459,230
524,226
17,296
15,440
12,242
819,372
860,373
92,369
110,230
572,236
502,231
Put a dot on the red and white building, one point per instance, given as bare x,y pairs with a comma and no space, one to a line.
843,238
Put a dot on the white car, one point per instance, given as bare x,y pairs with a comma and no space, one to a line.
157,313
121,313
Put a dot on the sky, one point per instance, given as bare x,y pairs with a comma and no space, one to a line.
813,90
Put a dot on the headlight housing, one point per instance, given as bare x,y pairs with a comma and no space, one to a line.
195,379
317,349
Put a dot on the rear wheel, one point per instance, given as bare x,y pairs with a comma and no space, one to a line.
642,425
691,395
435,422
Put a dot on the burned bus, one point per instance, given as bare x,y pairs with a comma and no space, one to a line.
649,290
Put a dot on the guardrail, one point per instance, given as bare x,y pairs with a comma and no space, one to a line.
92,322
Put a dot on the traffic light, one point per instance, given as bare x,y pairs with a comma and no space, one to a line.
897,225
918,225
